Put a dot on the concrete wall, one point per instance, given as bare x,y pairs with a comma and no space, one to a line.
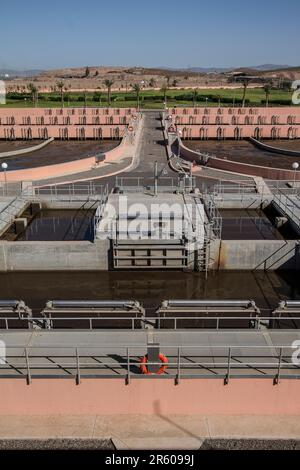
255,254
84,255
44,256
254,170
149,396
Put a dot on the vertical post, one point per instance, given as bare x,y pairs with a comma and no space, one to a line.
78,368
128,368
227,378
27,367
155,178
5,180
277,376
4,167
177,379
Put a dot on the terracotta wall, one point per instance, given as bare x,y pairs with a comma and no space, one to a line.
64,123
237,123
153,396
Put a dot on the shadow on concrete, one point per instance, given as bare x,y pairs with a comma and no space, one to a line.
157,411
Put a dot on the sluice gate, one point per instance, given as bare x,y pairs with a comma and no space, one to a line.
93,314
207,314
15,314
131,315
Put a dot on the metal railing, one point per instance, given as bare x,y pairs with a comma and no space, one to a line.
100,209
11,210
238,188
68,192
213,214
289,205
123,362
9,189
159,322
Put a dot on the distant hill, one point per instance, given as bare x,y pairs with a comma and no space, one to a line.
261,68
19,73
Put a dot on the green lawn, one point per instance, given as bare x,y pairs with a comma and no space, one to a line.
154,99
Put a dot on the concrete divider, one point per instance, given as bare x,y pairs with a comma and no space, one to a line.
255,254
15,153
271,148
55,256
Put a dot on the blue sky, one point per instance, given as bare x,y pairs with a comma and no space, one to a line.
37,34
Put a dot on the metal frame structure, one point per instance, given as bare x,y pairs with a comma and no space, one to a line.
123,362
136,322
288,205
146,184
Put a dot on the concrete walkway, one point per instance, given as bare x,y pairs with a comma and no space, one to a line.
151,432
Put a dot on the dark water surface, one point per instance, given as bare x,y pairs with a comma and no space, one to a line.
243,224
60,225
245,152
150,288
55,152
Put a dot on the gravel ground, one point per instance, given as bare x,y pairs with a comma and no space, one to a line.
250,444
56,444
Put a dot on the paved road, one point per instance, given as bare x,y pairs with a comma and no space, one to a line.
152,148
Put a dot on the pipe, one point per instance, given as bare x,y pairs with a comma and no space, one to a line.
92,304
209,303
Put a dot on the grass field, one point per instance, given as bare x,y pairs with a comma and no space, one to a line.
154,99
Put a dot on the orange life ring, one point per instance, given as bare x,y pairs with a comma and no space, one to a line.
162,368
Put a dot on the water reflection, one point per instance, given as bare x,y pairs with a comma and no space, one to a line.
60,225
266,288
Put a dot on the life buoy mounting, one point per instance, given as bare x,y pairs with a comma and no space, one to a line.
162,369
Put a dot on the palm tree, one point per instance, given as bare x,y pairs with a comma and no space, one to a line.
137,88
108,84
195,96
164,90
34,93
267,90
245,81
61,86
